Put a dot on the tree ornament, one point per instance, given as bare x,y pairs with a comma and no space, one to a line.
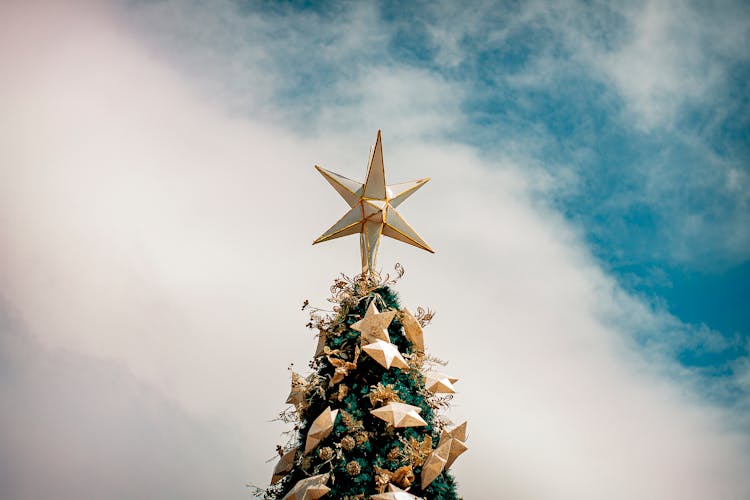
450,447
373,209
403,476
325,453
341,393
415,451
320,429
439,383
348,443
286,462
343,367
350,422
383,394
435,464
386,354
361,437
310,488
297,395
353,468
400,415
456,439
395,493
412,330
374,326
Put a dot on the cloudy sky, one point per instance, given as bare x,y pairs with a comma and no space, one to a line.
588,204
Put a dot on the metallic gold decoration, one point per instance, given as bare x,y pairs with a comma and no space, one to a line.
320,429
382,478
456,438
395,493
325,453
450,447
374,326
383,394
322,337
350,422
373,209
348,443
362,437
342,392
413,330
300,385
310,488
400,415
353,468
286,463
386,354
439,383
343,367
403,476
435,464
416,451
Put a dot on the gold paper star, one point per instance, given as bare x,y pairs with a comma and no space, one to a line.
400,415
320,429
439,383
286,462
395,493
456,442
374,325
413,330
386,354
373,209
310,488
435,464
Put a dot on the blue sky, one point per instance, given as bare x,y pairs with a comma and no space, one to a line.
636,115
589,200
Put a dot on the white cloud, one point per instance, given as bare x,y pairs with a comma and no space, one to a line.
142,225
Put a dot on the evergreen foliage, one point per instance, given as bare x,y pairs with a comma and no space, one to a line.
363,454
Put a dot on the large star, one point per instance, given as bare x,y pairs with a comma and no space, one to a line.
373,209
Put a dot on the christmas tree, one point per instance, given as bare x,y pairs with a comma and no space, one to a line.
369,419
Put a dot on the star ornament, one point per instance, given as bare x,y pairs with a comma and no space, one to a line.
435,464
456,440
386,354
413,330
310,488
395,493
372,211
374,326
400,415
299,390
439,383
286,463
320,429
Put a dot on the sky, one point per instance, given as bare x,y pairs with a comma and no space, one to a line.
588,202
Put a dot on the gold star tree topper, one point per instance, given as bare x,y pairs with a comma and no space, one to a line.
372,210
